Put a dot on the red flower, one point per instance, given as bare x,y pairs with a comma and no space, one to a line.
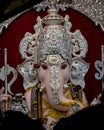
36,66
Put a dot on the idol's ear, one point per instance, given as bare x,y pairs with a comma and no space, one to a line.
78,71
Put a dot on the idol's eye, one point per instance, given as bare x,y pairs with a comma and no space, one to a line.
63,66
44,66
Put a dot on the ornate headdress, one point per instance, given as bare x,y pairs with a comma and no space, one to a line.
52,36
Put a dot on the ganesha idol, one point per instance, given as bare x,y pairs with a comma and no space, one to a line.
53,76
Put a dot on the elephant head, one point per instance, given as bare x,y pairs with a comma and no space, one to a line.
57,47
58,53
53,74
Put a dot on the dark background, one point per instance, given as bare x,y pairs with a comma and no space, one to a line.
9,8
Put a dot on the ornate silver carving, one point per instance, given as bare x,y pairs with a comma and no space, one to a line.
28,72
93,9
54,61
99,65
19,103
80,46
54,40
78,70
4,25
9,70
5,71
26,46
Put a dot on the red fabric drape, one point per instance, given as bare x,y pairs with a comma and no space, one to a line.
11,37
